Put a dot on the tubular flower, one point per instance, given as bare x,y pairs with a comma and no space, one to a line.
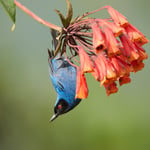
117,30
141,52
95,72
111,73
119,67
124,80
111,88
86,63
110,49
81,89
117,17
137,65
100,63
112,43
135,35
128,48
98,38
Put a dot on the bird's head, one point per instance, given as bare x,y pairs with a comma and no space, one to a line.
62,106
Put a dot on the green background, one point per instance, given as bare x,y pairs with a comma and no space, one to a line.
118,122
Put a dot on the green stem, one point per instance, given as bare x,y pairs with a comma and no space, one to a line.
40,20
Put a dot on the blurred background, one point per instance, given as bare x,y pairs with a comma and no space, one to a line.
118,122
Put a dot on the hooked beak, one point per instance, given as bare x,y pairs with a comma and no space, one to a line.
54,117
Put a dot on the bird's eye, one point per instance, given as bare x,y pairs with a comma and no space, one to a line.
61,107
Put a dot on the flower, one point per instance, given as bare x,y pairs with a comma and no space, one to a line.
141,52
111,88
100,63
128,48
98,38
111,42
137,65
124,80
118,66
117,30
105,69
86,63
135,35
117,17
81,89
95,72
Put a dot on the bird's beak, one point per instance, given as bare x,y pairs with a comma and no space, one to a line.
54,117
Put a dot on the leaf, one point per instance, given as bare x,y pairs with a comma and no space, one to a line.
66,20
10,8
63,19
69,12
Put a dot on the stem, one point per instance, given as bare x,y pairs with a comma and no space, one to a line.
83,34
35,17
92,12
70,61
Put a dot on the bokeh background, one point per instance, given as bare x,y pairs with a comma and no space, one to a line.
118,122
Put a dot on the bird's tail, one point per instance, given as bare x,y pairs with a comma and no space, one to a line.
54,35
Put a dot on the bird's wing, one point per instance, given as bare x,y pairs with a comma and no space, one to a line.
64,80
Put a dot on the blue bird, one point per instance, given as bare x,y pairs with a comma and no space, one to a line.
63,77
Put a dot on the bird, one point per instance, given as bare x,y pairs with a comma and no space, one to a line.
63,76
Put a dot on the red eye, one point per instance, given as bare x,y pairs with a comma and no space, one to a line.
59,106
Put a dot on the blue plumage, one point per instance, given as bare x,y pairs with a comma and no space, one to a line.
63,77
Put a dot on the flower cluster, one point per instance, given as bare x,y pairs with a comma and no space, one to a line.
109,49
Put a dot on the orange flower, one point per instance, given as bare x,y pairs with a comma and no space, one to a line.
105,69
128,48
112,43
86,63
118,66
111,88
81,86
126,65
111,73
98,38
117,30
124,80
118,18
137,65
141,52
100,63
95,72
135,35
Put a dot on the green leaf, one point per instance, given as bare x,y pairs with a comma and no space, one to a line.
66,20
10,8
63,19
69,12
